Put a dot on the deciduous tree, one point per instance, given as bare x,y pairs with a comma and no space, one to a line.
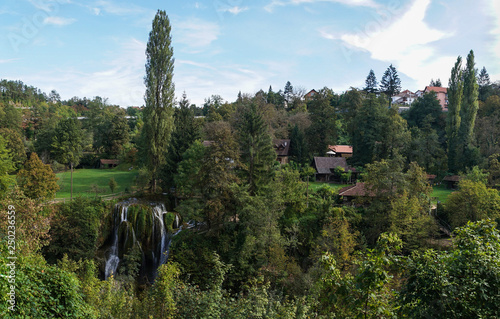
37,180
158,113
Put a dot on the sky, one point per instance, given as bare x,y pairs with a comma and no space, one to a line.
89,48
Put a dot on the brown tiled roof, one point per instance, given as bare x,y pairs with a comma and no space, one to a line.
354,190
347,149
326,165
110,161
435,89
431,176
451,178
282,146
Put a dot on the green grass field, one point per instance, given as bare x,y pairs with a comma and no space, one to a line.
83,179
441,193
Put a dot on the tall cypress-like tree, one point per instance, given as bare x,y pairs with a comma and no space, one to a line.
371,83
158,113
455,92
468,112
390,84
463,99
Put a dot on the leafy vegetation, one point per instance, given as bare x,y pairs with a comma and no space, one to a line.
263,239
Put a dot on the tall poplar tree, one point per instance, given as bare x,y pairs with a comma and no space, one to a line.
159,97
462,110
470,103
455,91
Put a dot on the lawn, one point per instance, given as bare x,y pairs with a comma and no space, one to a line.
441,193
83,179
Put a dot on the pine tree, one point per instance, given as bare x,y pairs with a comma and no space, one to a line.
484,83
436,83
158,113
371,83
257,153
390,84
298,151
185,133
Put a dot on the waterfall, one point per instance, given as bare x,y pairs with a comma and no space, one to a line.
143,225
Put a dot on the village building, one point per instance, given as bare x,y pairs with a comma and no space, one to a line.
441,94
339,151
282,148
325,168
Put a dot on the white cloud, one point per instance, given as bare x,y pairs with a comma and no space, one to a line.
354,3
495,32
195,33
234,10
119,9
405,41
58,21
5,61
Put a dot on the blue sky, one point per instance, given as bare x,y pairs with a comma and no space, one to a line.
96,47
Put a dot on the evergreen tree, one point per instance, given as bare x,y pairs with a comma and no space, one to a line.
484,83
322,131
298,146
217,173
371,83
436,83
185,133
455,92
158,113
6,167
257,153
288,92
390,84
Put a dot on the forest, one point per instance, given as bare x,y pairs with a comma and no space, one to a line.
241,234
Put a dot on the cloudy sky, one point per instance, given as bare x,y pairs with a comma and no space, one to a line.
96,47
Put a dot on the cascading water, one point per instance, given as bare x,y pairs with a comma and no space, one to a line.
146,226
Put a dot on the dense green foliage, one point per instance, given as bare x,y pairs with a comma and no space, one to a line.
262,241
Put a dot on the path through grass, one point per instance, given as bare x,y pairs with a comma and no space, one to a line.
83,179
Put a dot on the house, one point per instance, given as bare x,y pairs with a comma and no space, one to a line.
339,151
310,94
406,97
451,181
282,148
352,192
325,168
431,178
441,94
108,163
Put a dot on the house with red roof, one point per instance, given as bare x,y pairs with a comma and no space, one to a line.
441,94
339,151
